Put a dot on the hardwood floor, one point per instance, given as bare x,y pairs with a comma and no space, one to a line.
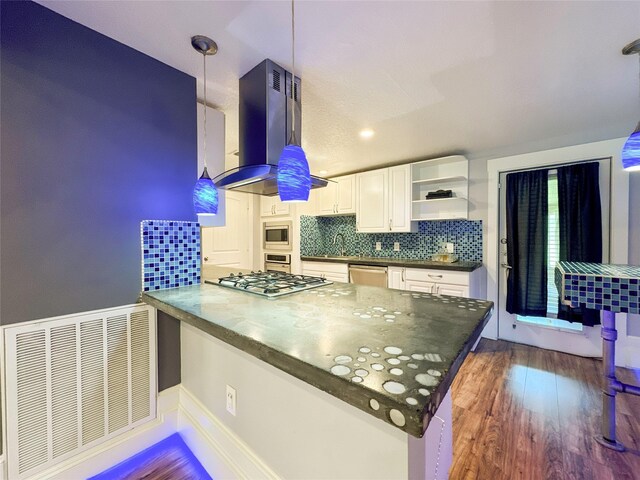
521,412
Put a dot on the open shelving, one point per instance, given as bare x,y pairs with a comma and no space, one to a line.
448,173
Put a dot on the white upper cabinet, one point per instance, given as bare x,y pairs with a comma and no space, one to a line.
372,201
272,206
447,173
338,197
327,199
400,199
383,200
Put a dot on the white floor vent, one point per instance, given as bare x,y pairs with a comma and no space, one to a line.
73,382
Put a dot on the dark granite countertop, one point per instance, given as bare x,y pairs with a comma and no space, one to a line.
460,266
390,353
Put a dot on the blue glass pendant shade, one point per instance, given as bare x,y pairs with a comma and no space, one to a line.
631,151
205,195
294,177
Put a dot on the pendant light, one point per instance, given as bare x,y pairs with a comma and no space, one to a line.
294,177
631,149
205,193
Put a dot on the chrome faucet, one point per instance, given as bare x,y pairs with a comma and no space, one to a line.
335,239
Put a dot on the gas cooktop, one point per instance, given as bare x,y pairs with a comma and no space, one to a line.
270,284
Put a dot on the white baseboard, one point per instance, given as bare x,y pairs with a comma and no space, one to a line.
222,453
118,449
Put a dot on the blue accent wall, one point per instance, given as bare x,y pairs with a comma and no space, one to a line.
96,137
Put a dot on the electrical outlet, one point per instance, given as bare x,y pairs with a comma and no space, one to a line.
378,246
396,246
449,247
231,400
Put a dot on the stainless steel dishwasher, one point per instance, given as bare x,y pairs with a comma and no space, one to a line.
368,275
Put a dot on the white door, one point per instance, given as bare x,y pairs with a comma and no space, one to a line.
372,201
230,245
549,332
400,198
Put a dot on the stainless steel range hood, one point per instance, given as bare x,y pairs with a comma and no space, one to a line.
265,127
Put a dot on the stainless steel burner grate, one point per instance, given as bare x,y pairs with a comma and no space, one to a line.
270,284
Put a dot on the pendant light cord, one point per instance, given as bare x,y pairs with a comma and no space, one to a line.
204,149
293,140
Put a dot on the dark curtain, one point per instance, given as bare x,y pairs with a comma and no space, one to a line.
527,218
580,226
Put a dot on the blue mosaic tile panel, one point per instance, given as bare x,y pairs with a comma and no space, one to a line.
317,234
599,286
170,254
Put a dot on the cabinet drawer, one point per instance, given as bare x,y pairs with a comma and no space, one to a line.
437,276
340,268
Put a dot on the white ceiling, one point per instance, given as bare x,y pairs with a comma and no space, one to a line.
431,78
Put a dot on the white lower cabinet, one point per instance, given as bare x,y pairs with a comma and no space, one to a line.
335,272
440,282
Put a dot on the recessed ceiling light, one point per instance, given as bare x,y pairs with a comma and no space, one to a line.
366,133
322,172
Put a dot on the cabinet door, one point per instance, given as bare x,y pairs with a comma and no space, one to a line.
346,195
455,290
327,199
417,286
400,199
281,208
336,277
396,277
372,201
267,206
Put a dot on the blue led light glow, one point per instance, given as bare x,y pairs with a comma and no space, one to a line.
174,444
294,178
631,151
205,195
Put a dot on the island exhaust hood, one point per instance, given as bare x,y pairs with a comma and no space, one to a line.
265,127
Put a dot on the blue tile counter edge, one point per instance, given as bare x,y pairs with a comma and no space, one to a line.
614,288
326,336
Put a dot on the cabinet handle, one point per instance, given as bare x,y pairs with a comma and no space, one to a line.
403,274
430,275
357,226
390,224
336,207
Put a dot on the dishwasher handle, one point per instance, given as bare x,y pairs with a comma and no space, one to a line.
367,268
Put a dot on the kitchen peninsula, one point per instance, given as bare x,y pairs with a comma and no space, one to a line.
390,354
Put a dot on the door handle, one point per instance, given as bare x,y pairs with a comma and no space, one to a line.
504,265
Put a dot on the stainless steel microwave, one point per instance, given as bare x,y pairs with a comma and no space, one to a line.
277,235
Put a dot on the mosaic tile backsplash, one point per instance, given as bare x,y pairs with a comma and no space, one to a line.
170,254
317,234
599,286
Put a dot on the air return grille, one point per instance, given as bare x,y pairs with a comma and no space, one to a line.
73,382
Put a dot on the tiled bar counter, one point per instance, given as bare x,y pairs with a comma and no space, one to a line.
612,289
